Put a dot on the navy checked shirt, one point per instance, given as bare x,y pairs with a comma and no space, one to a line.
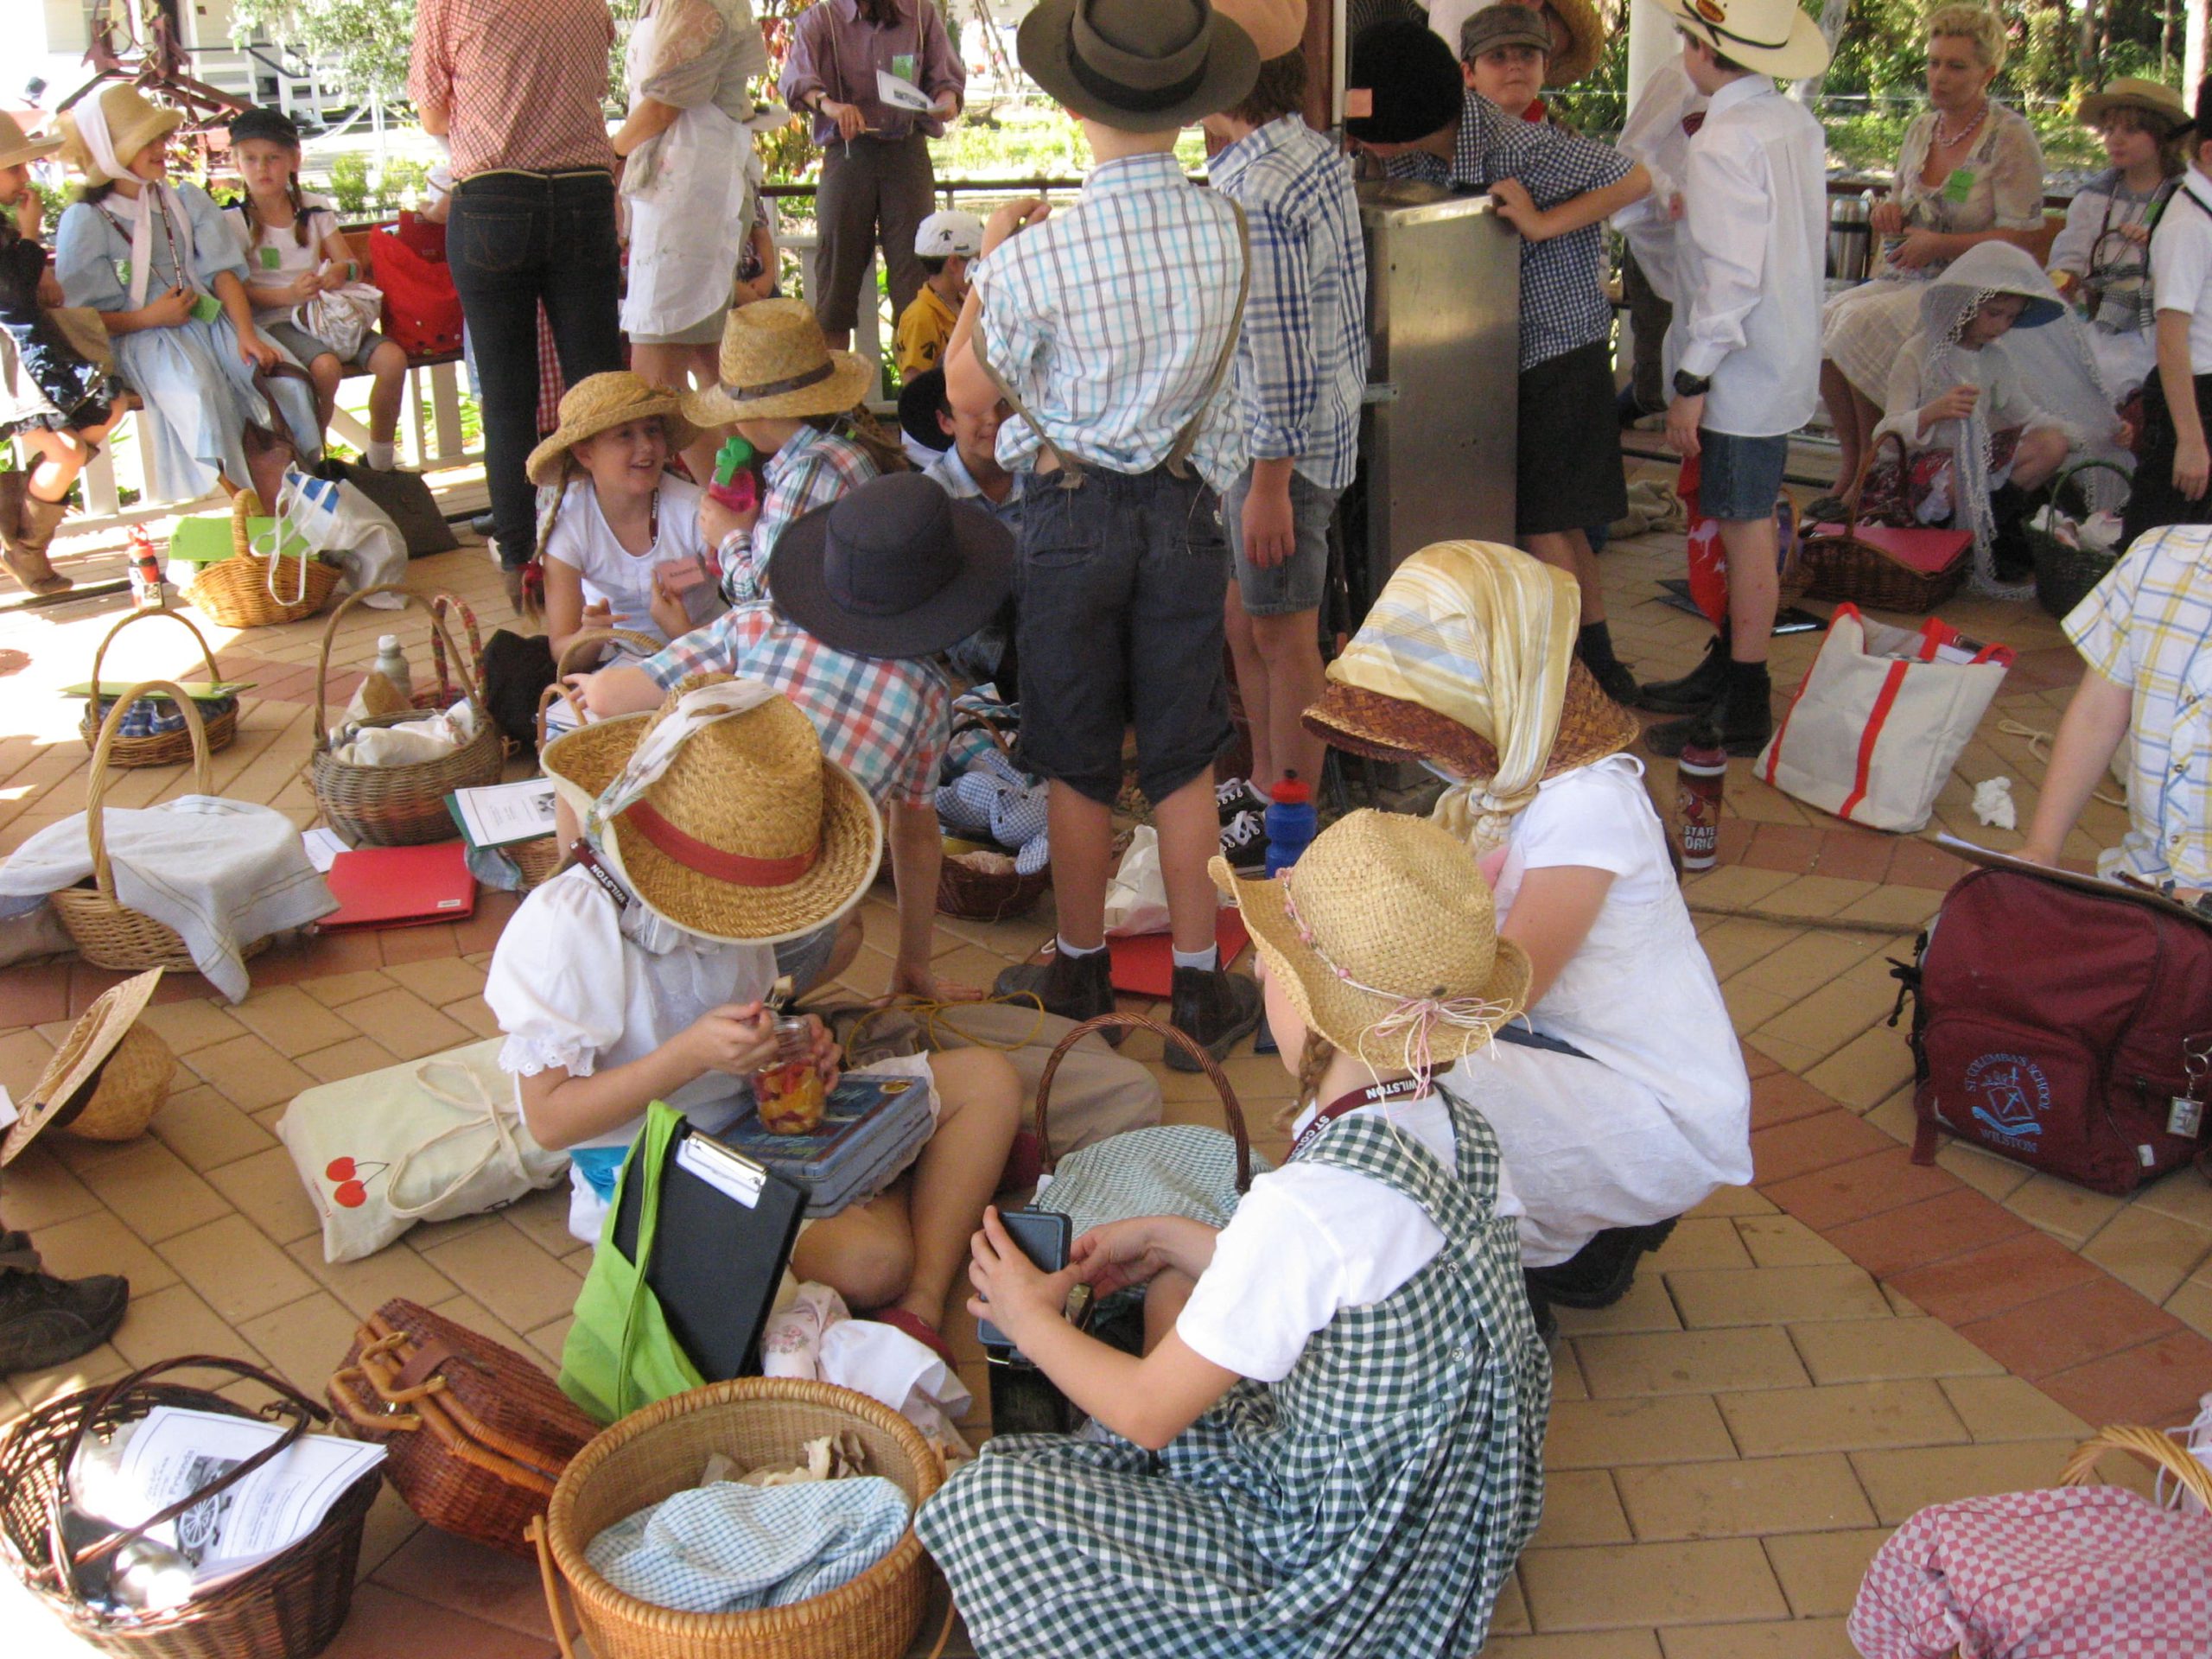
1303,354
1562,303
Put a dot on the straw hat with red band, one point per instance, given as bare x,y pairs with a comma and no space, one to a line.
720,814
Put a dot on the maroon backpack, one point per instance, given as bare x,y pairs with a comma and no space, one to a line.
2065,1024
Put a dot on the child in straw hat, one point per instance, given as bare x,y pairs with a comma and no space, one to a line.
714,829
1332,1443
1634,1105
2101,261
617,514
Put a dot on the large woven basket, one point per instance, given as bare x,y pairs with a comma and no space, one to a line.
2065,574
162,748
447,691
288,1607
1841,567
249,591
395,806
107,935
658,1451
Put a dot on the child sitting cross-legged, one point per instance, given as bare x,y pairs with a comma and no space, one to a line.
1332,1444
713,828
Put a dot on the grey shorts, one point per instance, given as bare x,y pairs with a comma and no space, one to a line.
1298,583
1739,478
706,332
305,347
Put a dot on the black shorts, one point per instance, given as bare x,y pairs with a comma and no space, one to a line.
1119,596
1567,464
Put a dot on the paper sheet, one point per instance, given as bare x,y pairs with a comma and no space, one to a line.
498,815
902,94
323,847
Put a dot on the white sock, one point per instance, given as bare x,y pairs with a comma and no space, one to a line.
380,455
1064,949
1206,960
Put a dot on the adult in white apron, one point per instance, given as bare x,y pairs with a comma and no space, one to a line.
686,186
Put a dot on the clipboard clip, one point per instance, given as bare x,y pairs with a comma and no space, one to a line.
731,1173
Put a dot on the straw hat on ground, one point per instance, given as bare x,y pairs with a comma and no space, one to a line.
600,403
747,835
109,1077
17,147
2160,103
1772,36
1384,936
133,122
776,365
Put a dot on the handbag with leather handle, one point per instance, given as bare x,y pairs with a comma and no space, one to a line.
270,451
405,498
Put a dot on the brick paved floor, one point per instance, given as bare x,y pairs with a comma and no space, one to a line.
1809,1360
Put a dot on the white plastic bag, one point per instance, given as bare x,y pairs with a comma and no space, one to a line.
344,525
342,318
1137,898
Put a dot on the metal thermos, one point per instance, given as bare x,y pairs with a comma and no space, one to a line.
1849,236
1700,776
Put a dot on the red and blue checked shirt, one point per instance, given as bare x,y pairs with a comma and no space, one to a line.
887,721
812,470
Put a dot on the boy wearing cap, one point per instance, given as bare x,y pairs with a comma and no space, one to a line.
1555,189
1120,383
945,244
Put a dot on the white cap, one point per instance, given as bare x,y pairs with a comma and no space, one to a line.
947,232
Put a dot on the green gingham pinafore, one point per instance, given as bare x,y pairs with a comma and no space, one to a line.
1372,1501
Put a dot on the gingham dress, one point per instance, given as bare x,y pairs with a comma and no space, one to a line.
1371,1503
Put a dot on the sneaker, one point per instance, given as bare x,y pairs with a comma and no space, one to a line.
1599,1273
46,1321
1213,1007
1237,796
1075,987
1244,842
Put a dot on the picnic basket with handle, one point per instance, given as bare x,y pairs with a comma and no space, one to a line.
540,856
249,591
446,691
1843,564
107,935
756,1422
290,1606
159,748
976,895
403,805
2065,574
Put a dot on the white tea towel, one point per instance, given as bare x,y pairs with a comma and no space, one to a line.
409,743
223,874
727,1548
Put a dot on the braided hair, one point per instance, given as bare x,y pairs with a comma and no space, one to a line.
1314,1062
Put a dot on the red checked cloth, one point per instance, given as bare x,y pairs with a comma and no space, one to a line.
2077,1573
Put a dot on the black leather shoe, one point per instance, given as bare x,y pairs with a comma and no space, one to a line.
1694,691
1614,680
1075,987
1213,1007
1744,720
46,1321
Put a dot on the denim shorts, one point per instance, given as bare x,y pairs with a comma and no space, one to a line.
1298,583
1739,478
1119,592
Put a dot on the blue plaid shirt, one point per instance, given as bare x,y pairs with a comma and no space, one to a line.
1562,303
1303,357
1109,319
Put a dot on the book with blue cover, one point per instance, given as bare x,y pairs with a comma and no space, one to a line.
868,1122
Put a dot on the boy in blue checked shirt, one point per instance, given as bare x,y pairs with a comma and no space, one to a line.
1556,189
1303,359
1111,331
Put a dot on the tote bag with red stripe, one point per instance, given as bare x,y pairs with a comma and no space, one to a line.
1881,719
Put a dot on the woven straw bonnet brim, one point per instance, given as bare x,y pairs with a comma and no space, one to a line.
1335,1010
1591,726
1585,43
2129,93
583,762
133,122
18,147
91,1043
590,409
769,343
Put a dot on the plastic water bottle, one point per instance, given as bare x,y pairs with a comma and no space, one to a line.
1700,777
1290,822
391,663
734,485
147,593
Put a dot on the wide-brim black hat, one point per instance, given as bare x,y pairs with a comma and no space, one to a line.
919,400
894,568
1124,62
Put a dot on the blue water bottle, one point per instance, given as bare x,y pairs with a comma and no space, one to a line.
1290,822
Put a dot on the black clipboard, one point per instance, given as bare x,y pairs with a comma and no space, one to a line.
726,1228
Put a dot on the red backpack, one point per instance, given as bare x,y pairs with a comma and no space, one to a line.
421,309
2065,1024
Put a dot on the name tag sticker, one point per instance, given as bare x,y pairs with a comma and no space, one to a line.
270,258
207,307
1959,186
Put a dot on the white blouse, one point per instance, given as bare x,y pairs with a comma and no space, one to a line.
582,540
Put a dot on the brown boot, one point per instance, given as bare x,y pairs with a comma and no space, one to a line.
26,527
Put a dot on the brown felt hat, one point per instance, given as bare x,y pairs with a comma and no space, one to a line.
1139,65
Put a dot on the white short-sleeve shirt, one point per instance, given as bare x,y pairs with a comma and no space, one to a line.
624,580
282,245
2181,264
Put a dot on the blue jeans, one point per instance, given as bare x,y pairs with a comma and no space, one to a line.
516,239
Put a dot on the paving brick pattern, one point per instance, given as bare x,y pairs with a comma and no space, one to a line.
1808,1361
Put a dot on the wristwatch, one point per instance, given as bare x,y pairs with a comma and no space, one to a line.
1692,385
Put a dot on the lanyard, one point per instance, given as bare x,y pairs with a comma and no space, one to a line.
1374,1095
149,202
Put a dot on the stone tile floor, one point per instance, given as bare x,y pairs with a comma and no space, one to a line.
1808,1361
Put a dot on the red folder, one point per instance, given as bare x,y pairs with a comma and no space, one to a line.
401,887
1145,966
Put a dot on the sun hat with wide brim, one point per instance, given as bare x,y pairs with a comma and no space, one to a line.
1591,726
17,147
1772,36
134,121
1277,27
1384,938
776,365
600,403
1586,42
751,835
1138,65
109,1077
2162,102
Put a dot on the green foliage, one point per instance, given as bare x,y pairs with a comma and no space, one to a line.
348,184
364,44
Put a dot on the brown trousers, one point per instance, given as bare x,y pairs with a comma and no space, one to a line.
868,186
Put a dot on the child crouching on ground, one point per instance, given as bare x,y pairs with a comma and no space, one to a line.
715,828
1333,1443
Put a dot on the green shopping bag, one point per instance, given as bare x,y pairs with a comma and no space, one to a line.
620,1354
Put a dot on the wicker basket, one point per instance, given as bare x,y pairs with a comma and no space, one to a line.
656,1452
288,1607
2162,1452
975,895
395,806
249,591
106,934
162,748
1232,1112
1841,567
446,693
2065,574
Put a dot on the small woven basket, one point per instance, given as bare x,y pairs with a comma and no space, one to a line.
2065,574
249,591
975,895
161,748
290,1606
2162,1452
656,1452
107,935
1842,568
395,806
